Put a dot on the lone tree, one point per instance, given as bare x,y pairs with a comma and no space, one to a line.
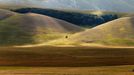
66,37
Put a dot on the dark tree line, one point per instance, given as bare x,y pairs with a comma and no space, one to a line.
80,19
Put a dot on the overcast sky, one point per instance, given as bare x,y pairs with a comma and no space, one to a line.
111,5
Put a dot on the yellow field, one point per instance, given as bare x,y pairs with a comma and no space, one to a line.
109,70
66,56
66,61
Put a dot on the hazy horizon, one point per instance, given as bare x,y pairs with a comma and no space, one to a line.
107,5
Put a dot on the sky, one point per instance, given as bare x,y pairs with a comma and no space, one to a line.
110,5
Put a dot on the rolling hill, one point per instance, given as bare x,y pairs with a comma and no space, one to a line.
32,28
81,18
5,14
117,32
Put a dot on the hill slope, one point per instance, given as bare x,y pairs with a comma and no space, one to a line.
117,32
5,14
31,28
81,18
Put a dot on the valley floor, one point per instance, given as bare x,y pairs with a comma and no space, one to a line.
48,60
109,70
79,56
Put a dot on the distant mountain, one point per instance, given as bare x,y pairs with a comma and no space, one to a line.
107,5
81,18
117,32
32,28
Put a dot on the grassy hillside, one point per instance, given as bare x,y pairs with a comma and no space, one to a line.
117,32
5,14
30,28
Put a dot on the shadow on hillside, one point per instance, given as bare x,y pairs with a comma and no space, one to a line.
13,33
132,21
